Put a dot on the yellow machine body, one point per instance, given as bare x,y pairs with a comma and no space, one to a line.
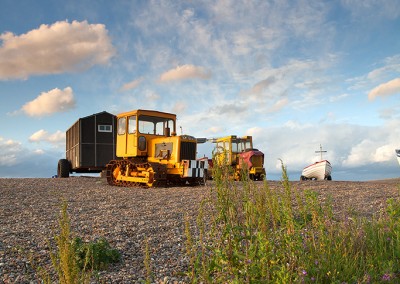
151,152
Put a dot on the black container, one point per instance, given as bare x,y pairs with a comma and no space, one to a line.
90,143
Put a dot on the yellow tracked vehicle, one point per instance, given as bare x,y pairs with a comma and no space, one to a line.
150,153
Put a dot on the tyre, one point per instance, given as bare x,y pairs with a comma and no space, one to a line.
329,177
63,168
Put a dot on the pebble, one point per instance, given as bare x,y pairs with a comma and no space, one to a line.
127,217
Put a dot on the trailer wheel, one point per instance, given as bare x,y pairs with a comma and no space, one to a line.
329,177
63,168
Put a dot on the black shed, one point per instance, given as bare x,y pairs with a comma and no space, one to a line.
90,144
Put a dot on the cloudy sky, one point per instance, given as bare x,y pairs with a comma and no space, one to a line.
294,74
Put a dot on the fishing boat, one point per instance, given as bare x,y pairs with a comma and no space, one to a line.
318,171
398,155
321,170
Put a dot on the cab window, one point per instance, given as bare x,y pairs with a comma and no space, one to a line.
235,146
121,125
132,124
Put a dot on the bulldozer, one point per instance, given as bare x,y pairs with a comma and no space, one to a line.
150,153
239,154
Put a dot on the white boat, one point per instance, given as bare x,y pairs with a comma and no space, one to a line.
318,171
398,155
321,170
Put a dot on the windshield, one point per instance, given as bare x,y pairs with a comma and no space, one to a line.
241,145
155,125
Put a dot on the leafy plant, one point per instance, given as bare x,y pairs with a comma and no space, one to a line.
74,260
63,257
95,255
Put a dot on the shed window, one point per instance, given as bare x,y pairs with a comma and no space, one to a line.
104,128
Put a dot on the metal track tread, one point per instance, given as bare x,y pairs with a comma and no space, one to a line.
159,171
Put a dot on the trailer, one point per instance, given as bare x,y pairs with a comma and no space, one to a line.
90,145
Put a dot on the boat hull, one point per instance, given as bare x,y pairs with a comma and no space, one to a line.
318,171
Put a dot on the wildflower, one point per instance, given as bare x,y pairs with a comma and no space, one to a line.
304,272
366,279
386,277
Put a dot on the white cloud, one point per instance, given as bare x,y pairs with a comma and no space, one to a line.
278,105
185,72
389,88
372,9
179,107
233,39
38,136
370,151
50,102
384,153
19,161
213,130
42,135
9,150
259,87
53,49
151,96
391,66
333,99
388,69
131,85
360,154
254,131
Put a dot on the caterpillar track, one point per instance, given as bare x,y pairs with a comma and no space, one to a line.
128,173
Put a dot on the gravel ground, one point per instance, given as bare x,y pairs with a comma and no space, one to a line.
29,210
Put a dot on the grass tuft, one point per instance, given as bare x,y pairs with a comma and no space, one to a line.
258,235
147,262
74,260
64,257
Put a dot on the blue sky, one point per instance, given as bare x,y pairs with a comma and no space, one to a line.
294,74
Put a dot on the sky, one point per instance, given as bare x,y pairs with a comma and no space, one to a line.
293,74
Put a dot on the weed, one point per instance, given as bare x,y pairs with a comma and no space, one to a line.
260,235
74,260
95,255
64,258
147,262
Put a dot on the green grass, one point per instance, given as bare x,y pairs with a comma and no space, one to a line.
76,261
147,262
254,234
64,257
